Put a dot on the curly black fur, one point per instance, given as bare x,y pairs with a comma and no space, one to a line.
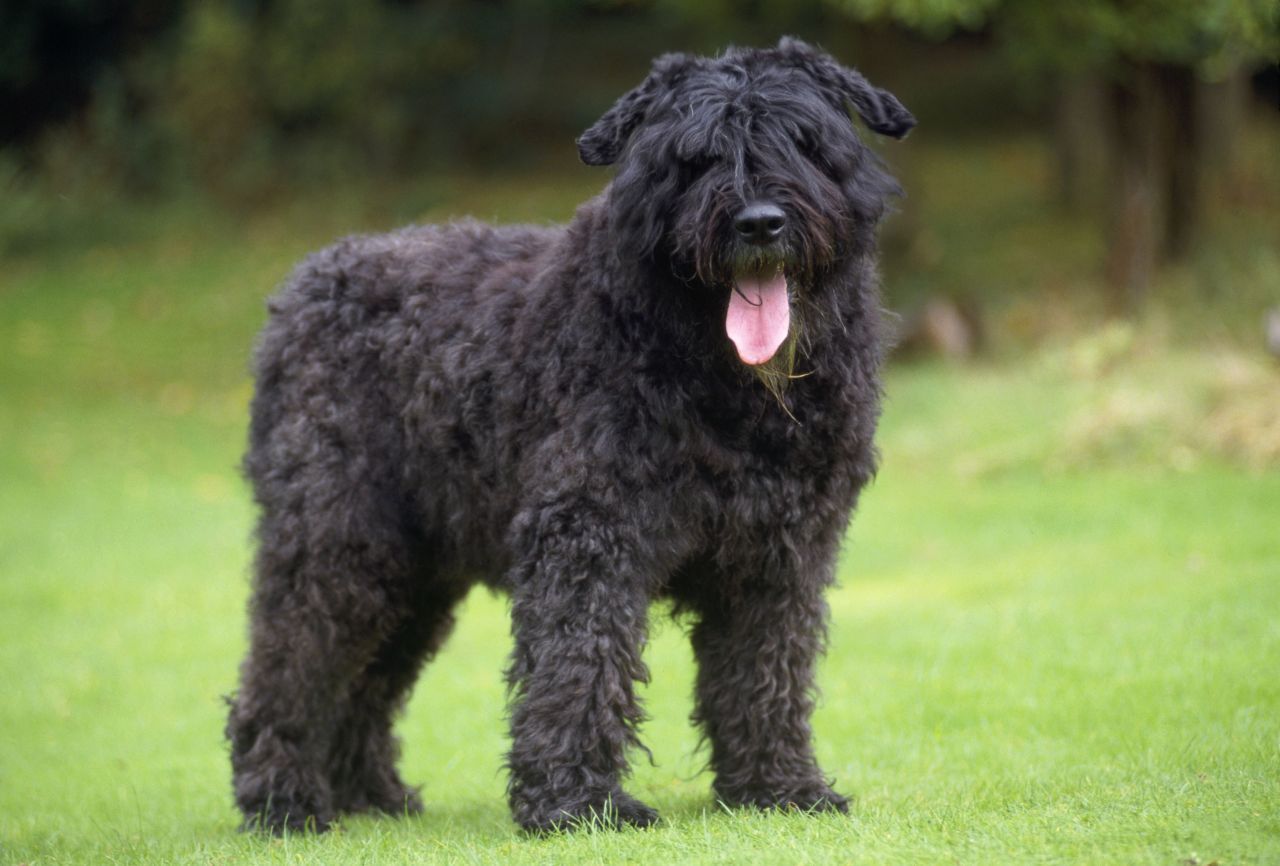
558,412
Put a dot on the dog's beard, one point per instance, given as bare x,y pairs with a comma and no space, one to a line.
778,372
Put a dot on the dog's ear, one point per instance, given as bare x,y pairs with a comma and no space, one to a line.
602,144
879,109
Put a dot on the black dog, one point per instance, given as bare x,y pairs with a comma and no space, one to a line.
674,395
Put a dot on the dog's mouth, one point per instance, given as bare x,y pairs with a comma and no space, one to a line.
759,315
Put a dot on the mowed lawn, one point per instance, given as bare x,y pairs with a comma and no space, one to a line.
1056,638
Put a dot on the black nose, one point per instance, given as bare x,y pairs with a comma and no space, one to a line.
760,223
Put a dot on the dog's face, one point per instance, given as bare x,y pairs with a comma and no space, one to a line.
744,172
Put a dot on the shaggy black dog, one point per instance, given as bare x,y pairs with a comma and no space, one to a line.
672,396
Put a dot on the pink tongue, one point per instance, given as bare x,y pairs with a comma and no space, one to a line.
758,317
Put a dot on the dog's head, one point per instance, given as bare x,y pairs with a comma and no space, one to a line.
745,174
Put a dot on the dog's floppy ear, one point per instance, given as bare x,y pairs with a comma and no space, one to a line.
879,109
604,141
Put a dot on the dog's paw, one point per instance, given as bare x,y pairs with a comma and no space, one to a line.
393,800
275,821
619,809
403,802
804,797
628,811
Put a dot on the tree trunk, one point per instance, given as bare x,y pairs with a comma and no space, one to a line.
1079,149
1179,149
1136,198
1221,108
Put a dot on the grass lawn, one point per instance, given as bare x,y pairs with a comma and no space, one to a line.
1056,638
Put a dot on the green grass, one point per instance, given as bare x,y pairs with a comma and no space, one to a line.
1056,637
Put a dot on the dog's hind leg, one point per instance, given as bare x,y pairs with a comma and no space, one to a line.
332,571
363,754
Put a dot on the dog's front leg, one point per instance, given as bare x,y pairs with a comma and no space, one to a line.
579,605
756,649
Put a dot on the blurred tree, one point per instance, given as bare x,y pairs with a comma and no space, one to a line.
312,88
52,53
934,18
1158,120
1150,56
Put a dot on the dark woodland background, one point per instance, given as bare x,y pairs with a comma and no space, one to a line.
1147,112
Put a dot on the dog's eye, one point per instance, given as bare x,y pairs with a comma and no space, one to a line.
809,149
697,166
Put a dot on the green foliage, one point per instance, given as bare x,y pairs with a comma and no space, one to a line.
934,17
250,97
318,89
247,98
1214,35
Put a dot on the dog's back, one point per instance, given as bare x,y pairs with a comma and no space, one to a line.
374,335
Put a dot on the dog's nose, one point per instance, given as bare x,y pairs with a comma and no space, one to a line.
760,223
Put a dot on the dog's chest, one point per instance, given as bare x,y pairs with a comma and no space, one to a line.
766,464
